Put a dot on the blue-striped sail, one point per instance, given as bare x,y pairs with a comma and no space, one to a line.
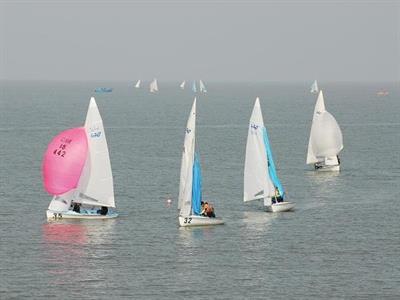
194,89
271,165
196,186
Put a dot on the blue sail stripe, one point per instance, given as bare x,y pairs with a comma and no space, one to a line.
196,186
272,169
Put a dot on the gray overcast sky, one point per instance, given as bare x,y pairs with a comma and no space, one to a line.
191,39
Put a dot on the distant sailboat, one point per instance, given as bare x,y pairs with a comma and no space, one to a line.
182,86
190,190
154,86
103,90
314,88
77,171
326,139
137,85
194,89
202,87
260,178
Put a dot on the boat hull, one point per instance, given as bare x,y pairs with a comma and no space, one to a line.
87,214
327,168
280,206
194,220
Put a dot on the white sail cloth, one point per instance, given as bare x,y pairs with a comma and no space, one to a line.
326,138
257,183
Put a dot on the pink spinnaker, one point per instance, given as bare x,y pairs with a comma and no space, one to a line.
64,160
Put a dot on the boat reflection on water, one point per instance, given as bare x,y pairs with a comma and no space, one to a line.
257,220
72,251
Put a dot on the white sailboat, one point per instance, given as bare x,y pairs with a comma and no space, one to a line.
154,86
314,88
182,86
77,171
260,178
202,87
190,180
194,88
326,140
137,85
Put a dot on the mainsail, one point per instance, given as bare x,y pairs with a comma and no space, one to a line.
257,181
137,85
96,183
187,162
194,89
182,86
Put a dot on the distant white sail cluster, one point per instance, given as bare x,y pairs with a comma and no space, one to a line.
153,87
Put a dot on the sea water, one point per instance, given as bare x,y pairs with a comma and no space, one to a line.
342,240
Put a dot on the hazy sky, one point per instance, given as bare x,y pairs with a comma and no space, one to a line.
191,39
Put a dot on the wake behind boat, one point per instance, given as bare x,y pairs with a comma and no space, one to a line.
260,178
77,172
190,184
326,140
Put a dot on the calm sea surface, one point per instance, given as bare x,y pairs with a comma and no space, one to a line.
342,241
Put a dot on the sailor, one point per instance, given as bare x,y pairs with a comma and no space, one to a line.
77,207
203,208
103,211
210,210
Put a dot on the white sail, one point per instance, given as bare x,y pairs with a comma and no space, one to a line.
257,183
186,176
182,86
194,88
202,87
62,203
137,85
326,139
96,182
314,87
154,86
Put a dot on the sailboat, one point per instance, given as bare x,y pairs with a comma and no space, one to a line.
182,86
260,178
194,89
190,190
77,172
202,87
314,87
137,85
326,139
154,86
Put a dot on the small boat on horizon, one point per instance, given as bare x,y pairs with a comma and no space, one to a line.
382,93
182,86
314,87
202,87
154,86
137,85
103,90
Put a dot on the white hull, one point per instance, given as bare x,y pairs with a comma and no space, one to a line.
280,206
325,168
85,214
194,220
